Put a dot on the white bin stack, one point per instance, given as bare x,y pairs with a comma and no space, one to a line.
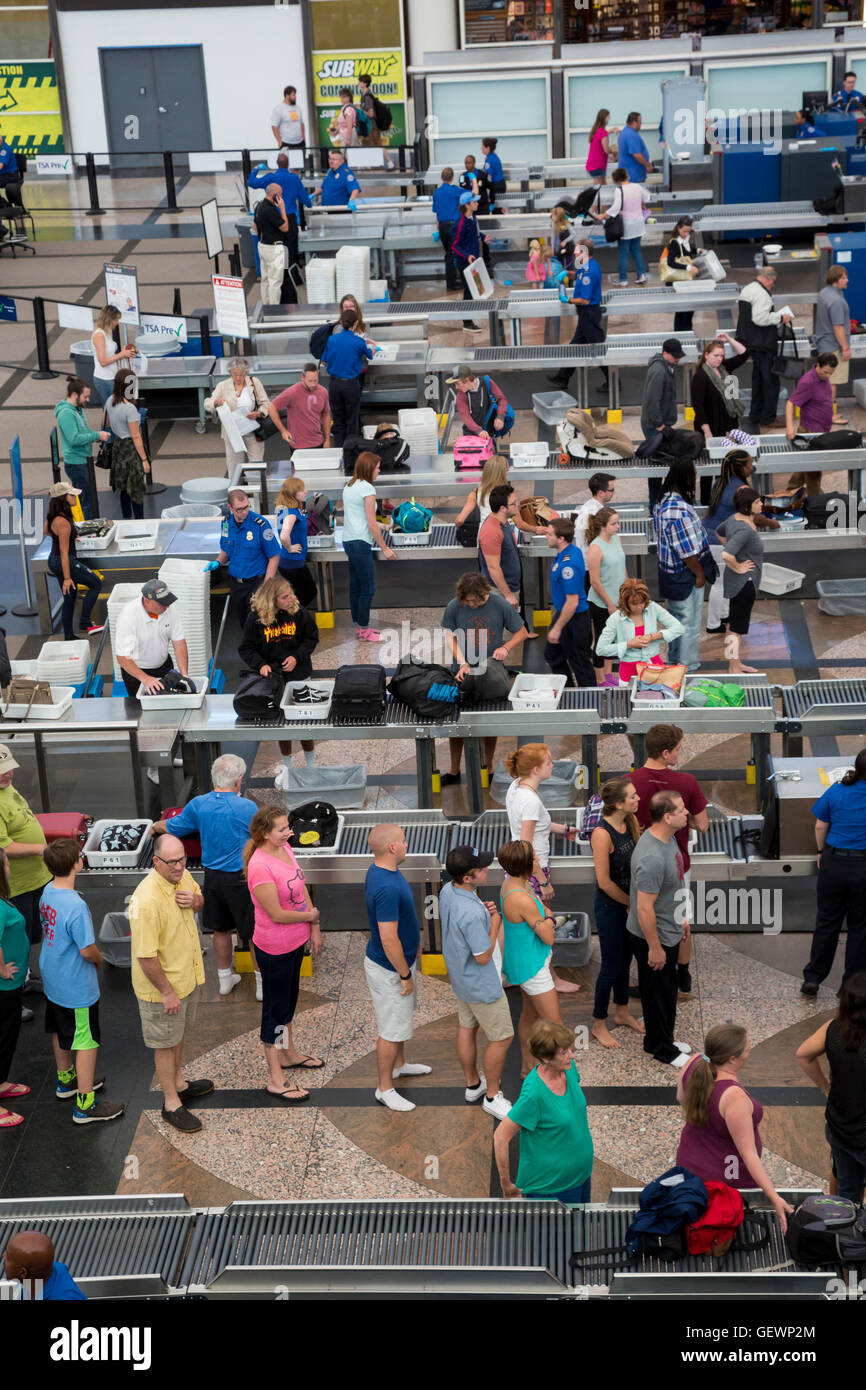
320,277
120,596
190,581
353,273
420,429
63,663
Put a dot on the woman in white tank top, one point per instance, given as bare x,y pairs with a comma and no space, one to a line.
107,362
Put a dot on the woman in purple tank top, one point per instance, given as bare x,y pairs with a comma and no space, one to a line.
720,1138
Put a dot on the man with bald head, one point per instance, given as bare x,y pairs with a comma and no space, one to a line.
390,961
168,972
29,1259
272,225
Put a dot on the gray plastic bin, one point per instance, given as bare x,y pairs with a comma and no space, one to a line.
115,939
572,945
551,406
842,596
343,787
556,790
200,509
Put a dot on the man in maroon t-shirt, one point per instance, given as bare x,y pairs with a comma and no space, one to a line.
308,413
664,744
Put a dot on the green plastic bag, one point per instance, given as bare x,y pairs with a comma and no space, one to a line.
707,694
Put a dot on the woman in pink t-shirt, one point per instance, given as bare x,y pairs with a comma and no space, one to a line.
347,120
285,920
599,147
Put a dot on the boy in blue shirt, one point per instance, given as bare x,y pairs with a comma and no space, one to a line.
345,356
633,153
467,247
446,210
569,642
67,963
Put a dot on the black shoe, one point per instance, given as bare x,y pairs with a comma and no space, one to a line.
310,695
32,985
808,987
450,779
195,1089
722,627
684,981
182,1119
558,381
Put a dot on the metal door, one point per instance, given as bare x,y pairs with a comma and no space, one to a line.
155,99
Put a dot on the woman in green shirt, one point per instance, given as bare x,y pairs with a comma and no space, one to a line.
550,1117
14,954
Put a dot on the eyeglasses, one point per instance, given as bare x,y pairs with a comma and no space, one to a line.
171,862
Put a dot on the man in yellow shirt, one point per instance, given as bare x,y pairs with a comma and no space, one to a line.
168,972
22,837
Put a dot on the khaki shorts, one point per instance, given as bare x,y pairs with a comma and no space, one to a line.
842,372
494,1019
162,1030
394,1011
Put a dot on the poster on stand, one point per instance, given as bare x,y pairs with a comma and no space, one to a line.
121,291
230,306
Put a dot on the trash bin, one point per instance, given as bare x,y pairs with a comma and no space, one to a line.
572,944
115,939
555,790
211,491
344,787
842,597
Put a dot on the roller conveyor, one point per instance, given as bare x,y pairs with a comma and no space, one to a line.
824,706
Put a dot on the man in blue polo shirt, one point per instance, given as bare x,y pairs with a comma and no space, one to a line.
587,298
446,210
250,549
340,188
569,642
221,820
847,97
633,153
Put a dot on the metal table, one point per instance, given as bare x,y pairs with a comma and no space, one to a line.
332,238
177,375
112,559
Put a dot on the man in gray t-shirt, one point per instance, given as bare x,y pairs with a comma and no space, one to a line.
657,923
833,328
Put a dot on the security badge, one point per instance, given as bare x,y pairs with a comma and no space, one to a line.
568,572
249,535
268,534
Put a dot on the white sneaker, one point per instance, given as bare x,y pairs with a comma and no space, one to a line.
498,1107
228,982
412,1069
152,775
473,1093
641,280
393,1100
258,987
679,1061
682,1047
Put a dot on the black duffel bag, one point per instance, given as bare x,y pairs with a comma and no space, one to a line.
314,825
258,697
823,508
491,683
837,439
679,444
430,691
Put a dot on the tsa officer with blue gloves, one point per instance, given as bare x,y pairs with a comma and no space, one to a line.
340,188
587,298
249,548
346,355
568,651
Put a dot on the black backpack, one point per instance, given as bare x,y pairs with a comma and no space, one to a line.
320,515
319,339
467,532
382,114
827,1231
837,439
258,697
359,693
819,510
314,825
680,444
393,450
430,691
491,683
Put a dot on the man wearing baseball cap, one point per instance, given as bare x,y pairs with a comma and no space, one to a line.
144,630
470,928
659,403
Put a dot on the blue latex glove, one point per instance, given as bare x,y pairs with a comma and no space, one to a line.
211,565
563,297
263,165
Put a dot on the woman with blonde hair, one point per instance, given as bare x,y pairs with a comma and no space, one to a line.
493,474
639,630
285,920
529,819
612,843
291,511
279,637
527,943
107,361
721,1139
243,393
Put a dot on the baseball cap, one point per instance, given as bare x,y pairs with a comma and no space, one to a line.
159,591
468,197
674,347
7,762
63,490
462,374
462,858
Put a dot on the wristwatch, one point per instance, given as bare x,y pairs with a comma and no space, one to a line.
406,977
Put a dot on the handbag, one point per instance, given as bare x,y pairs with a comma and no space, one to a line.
103,453
668,677
467,531
24,690
537,511
791,368
614,226
709,566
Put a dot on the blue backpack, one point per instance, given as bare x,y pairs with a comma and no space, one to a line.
412,518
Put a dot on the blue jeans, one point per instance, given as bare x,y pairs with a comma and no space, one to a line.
570,1195
103,389
686,649
850,1169
77,475
79,574
630,246
615,942
362,580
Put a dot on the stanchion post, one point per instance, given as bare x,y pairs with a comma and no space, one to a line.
204,330
92,490
152,488
170,192
246,165
92,187
43,372
235,261
175,304
54,449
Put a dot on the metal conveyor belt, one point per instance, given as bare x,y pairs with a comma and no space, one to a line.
107,1236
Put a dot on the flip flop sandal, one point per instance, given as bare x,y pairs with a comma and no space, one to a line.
8,1120
290,1099
308,1064
13,1088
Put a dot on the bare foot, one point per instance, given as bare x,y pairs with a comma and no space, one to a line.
627,1020
602,1034
740,670
565,986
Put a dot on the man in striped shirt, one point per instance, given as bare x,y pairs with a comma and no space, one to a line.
681,540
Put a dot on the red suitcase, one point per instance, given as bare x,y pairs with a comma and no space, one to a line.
63,825
191,843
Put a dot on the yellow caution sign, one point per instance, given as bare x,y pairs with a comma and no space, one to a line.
30,108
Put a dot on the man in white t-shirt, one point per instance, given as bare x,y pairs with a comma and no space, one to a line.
601,486
142,636
287,122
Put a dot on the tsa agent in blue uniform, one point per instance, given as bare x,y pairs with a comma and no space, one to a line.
569,642
339,186
250,549
806,127
493,168
345,356
586,296
840,836
847,95
446,210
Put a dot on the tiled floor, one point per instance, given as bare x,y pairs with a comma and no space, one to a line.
341,1143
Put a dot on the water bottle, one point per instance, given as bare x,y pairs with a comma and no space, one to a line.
759,260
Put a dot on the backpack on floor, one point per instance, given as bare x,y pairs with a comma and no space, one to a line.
411,518
430,691
827,1231
359,693
314,825
258,697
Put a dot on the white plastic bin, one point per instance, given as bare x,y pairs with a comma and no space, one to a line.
650,700
119,859
308,460
91,544
164,700
137,535
115,939
574,949
306,713
535,692
775,579
529,454
61,702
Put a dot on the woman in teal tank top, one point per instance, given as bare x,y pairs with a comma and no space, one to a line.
527,944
